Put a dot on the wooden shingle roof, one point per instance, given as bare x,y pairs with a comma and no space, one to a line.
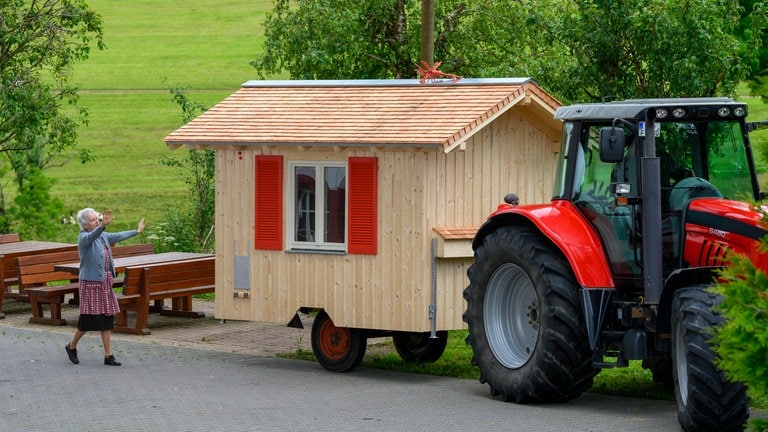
379,113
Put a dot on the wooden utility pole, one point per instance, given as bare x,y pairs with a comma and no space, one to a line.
428,31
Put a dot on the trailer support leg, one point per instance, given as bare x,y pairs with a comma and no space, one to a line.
433,305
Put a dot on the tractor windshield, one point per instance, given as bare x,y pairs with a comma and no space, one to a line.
713,151
697,159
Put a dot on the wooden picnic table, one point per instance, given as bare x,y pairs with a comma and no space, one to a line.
121,263
8,254
137,260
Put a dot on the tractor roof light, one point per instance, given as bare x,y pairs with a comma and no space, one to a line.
662,113
740,111
679,113
724,111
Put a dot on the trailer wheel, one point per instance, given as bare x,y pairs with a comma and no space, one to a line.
524,319
706,400
337,349
419,347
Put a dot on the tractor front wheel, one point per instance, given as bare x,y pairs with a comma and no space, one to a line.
706,399
337,349
524,319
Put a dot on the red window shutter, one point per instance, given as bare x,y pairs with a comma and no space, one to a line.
363,199
269,202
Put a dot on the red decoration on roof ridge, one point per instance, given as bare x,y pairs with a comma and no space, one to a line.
429,73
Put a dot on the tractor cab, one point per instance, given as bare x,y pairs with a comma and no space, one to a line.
629,165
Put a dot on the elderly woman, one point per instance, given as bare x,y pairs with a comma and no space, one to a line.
98,303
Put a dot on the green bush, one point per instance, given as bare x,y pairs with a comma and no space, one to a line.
742,342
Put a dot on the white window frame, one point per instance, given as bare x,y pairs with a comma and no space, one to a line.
318,243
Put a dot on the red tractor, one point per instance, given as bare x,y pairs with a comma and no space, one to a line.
650,198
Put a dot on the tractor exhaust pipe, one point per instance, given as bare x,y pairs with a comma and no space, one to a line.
650,165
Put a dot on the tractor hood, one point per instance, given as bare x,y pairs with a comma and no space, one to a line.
720,225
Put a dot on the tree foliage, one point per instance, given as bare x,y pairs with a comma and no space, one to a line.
656,48
750,29
346,39
580,50
36,207
40,40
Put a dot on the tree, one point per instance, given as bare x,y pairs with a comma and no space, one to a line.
36,207
751,28
40,40
580,50
591,50
495,38
345,39
657,48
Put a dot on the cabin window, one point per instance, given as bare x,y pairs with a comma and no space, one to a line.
329,206
319,201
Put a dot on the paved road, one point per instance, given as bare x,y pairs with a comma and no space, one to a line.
180,389
203,374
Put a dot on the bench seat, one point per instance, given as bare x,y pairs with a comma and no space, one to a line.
42,285
175,280
53,296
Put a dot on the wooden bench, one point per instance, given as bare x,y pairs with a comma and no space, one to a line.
36,272
9,269
9,238
177,280
131,250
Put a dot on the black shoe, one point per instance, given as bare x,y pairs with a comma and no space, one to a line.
110,361
72,354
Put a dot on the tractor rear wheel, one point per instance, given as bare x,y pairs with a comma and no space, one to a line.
337,349
420,347
706,399
524,319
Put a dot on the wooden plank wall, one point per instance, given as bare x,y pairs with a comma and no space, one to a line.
418,191
509,156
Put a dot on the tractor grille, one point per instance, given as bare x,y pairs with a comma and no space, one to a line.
712,253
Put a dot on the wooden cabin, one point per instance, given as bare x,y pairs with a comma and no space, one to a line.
361,197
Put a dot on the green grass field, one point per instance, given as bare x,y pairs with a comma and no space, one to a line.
200,45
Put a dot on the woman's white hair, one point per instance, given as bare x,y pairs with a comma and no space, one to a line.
82,216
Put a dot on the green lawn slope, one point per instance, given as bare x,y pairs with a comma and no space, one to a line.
201,45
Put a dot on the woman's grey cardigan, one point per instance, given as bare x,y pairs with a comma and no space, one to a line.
90,246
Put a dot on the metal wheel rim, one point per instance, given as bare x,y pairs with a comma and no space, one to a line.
681,364
334,341
511,316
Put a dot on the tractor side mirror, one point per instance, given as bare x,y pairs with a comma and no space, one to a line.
611,144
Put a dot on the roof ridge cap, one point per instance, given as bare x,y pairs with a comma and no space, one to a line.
386,82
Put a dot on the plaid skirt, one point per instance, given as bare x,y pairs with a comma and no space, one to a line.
98,305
